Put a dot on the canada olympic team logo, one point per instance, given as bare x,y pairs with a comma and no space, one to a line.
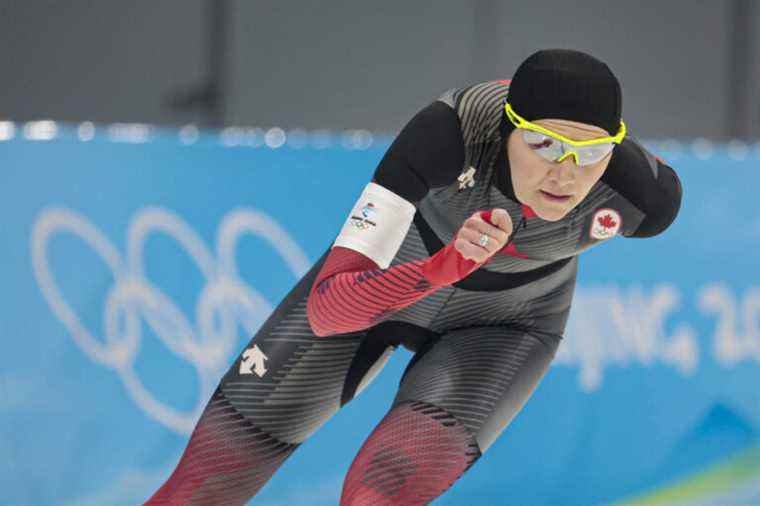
206,339
363,222
605,224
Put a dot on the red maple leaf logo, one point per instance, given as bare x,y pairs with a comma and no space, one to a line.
606,221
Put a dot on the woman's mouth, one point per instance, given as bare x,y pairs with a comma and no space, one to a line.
552,197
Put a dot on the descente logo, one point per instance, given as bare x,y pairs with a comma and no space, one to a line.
467,179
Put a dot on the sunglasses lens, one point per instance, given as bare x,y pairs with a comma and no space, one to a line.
552,149
548,147
589,155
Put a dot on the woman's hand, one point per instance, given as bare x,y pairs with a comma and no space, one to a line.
464,253
496,224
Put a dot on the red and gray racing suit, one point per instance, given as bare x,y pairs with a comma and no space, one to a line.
483,335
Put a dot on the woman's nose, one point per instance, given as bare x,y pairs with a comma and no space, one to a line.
564,171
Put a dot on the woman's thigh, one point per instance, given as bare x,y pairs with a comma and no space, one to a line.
481,375
288,381
284,385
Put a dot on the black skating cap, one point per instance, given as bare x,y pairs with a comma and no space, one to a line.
567,84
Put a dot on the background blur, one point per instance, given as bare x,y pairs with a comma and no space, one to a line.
686,67
151,155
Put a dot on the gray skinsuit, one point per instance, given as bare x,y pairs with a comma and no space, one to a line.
481,345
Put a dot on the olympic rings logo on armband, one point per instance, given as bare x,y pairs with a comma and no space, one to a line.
363,222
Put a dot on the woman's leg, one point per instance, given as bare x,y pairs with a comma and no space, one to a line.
455,398
284,385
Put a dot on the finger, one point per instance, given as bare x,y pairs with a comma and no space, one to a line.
474,236
487,215
479,226
495,217
471,251
501,219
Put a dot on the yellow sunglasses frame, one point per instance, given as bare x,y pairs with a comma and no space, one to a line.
520,122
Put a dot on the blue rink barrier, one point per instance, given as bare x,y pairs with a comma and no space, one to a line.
137,262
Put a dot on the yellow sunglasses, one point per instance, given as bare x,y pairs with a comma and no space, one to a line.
555,147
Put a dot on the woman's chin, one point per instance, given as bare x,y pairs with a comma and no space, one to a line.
552,213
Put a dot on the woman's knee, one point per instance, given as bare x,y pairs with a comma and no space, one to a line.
414,454
481,375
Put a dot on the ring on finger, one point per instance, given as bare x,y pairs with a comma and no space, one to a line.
483,241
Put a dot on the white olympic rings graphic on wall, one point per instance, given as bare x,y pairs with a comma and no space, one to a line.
608,326
224,302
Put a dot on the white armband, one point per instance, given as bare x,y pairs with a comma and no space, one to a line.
377,224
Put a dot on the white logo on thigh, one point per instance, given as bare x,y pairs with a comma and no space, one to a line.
606,224
253,362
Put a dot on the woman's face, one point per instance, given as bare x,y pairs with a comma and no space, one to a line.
553,189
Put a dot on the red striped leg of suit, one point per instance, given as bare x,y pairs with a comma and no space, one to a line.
352,293
225,463
416,452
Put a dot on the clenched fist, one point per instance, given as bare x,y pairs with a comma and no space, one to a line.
464,253
496,224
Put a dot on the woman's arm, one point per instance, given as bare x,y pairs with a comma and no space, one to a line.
352,292
356,288
648,183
